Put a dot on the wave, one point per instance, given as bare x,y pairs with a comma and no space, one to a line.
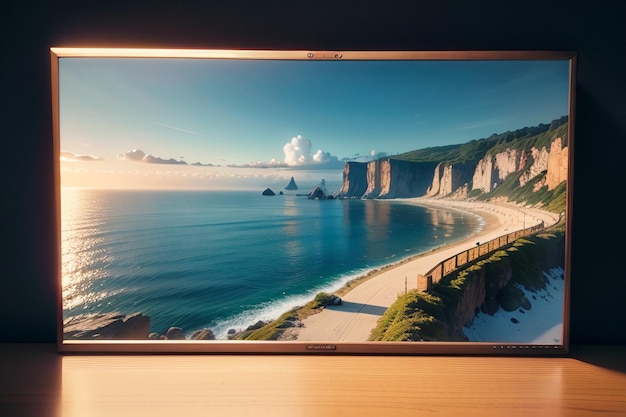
269,311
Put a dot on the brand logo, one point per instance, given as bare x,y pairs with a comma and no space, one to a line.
321,347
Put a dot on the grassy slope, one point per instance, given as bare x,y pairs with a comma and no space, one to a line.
274,329
525,138
421,316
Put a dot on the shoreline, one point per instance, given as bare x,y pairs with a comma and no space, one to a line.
490,221
366,298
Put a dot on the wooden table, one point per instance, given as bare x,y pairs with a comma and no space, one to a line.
36,381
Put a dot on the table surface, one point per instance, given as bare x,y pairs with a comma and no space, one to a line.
37,381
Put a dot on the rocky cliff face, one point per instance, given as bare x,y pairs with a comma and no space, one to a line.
354,180
394,178
491,171
385,178
449,179
553,160
557,164
482,292
492,287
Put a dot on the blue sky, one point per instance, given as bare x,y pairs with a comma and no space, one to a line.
155,117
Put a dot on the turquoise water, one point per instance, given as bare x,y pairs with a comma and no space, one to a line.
222,260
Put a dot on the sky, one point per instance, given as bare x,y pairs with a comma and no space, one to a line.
223,124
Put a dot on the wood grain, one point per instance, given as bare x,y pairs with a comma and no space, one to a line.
41,381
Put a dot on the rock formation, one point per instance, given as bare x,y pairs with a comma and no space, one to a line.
268,191
521,160
175,333
320,192
449,178
354,180
204,334
107,326
386,178
117,326
292,185
496,284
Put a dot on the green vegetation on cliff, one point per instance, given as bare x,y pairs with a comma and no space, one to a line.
412,318
437,315
474,150
532,193
532,256
550,200
466,156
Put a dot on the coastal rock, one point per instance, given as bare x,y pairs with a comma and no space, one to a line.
320,192
511,298
256,325
108,326
292,185
175,333
288,322
317,193
204,334
268,191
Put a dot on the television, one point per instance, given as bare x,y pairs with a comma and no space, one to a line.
313,202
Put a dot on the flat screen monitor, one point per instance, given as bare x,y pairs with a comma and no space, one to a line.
335,202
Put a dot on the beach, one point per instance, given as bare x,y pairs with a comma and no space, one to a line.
363,305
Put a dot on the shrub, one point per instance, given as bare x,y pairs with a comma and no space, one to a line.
324,299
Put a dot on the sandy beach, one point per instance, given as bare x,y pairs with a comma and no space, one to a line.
364,304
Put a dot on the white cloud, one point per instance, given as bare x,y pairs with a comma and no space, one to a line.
321,157
298,153
137,155
134,155
70,157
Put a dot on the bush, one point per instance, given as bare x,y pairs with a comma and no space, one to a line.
406,320
324,299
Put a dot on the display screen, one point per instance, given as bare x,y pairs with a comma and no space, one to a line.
308,201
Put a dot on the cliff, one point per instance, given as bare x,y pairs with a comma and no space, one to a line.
386,178
486,286
354,180
494,283
537,156
451,179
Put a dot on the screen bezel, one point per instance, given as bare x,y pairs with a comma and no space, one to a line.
304,347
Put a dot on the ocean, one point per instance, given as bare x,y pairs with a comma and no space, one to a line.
227,259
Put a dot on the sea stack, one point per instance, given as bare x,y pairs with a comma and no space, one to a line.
292,185
319,192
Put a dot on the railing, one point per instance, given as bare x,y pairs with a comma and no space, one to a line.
481,250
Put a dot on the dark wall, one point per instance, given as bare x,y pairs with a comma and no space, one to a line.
28,290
